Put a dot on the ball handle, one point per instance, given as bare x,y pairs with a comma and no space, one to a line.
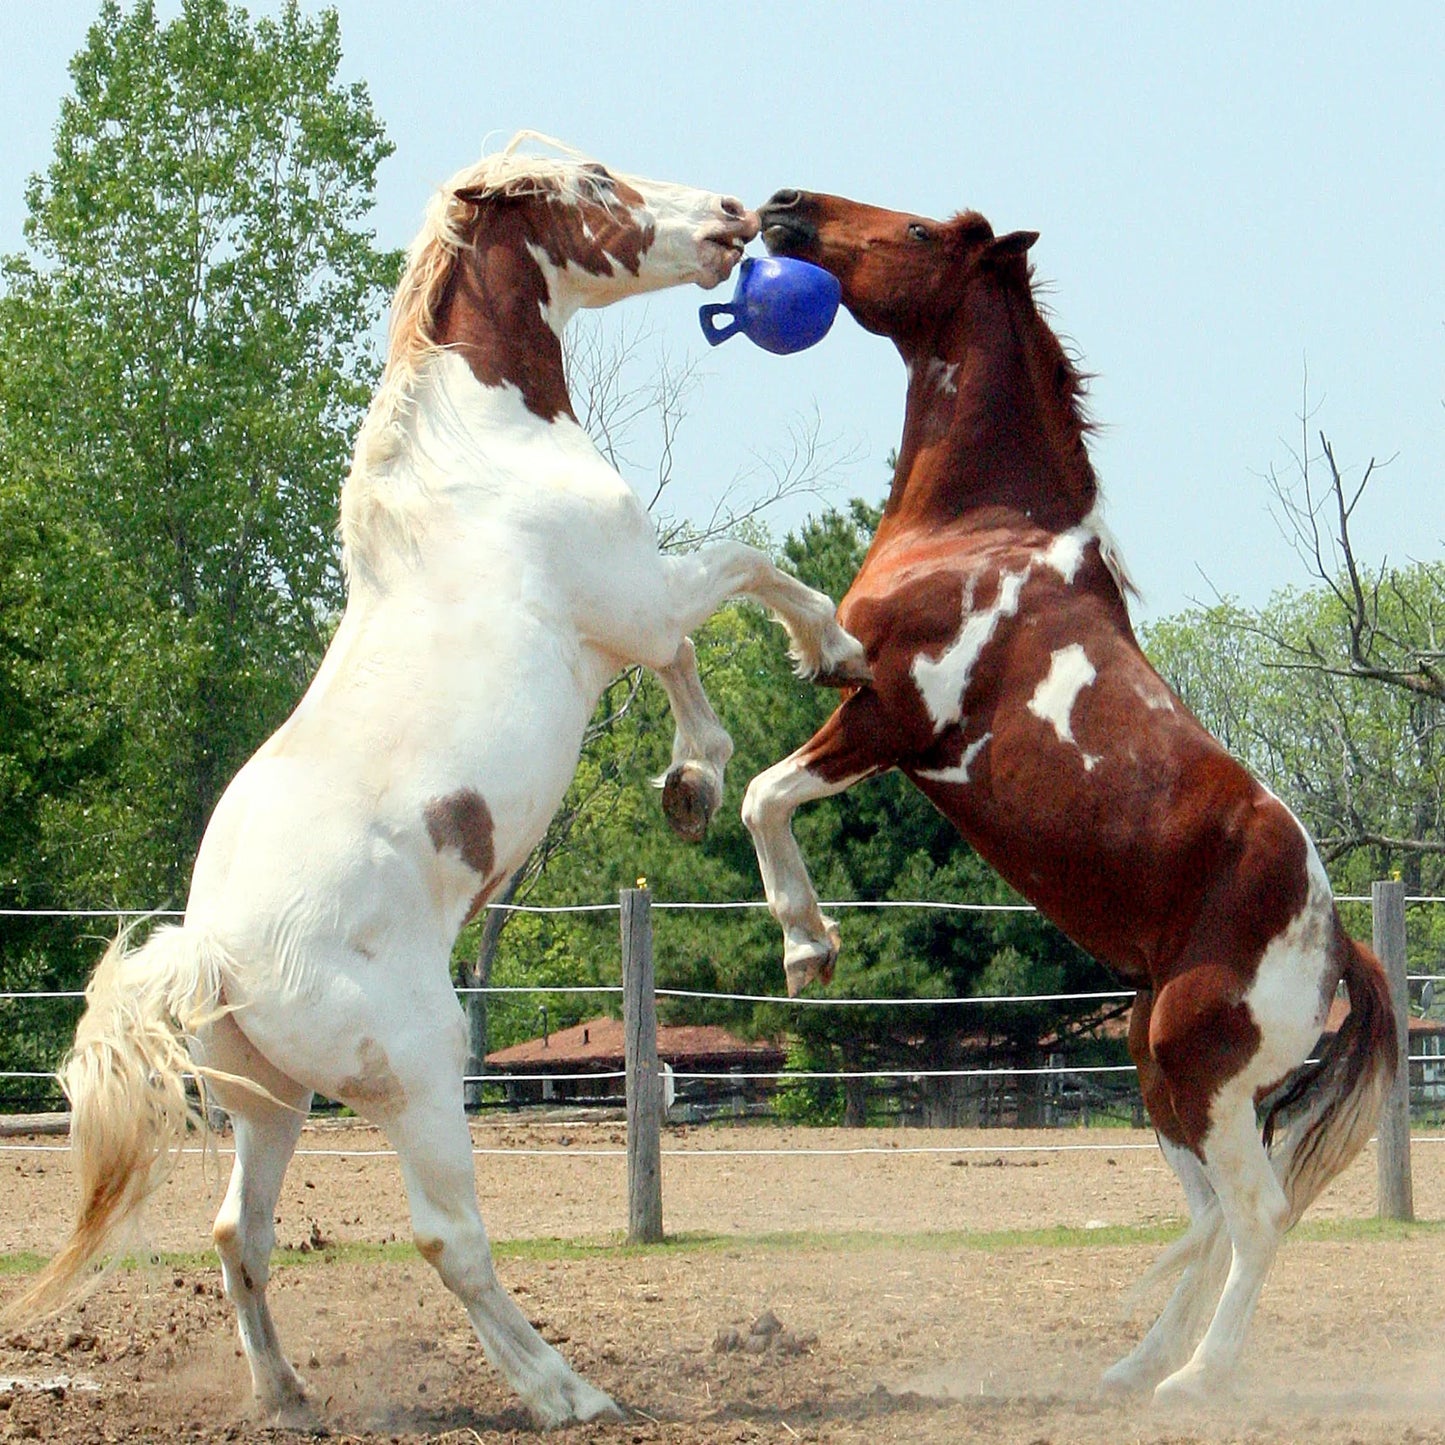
715,333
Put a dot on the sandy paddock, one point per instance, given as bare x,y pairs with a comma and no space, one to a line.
889,1333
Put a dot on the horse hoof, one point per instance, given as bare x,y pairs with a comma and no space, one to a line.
576,1404
292,1410
1192,1387
812,960
854,672
1123,1379
604,1408
845,664
690,797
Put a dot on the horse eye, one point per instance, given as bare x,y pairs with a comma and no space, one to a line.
917,231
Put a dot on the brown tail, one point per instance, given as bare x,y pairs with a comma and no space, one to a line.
1327,1114
125,1079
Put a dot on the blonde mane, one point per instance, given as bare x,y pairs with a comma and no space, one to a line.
515,170
445,233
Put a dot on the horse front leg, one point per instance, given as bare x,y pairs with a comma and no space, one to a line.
700,582
841,753
692,787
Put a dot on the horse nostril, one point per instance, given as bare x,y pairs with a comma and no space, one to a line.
733,208
784,200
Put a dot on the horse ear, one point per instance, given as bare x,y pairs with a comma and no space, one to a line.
470,195
1016,243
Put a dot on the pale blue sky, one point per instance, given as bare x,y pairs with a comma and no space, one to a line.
1225,197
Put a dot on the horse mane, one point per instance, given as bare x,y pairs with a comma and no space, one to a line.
1071,390
1062,379
970,231
447,231
1066,382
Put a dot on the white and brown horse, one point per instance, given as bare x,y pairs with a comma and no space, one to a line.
1008,686
500,573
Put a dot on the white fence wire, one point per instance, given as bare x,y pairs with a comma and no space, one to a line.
802,1002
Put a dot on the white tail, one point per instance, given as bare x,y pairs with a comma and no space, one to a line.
129,1114
1326,1116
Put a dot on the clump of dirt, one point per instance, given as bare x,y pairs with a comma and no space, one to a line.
764,1334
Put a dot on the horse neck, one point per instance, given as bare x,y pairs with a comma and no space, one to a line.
494,313
985,427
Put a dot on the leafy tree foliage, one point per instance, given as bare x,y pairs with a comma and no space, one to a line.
1360,763
184,351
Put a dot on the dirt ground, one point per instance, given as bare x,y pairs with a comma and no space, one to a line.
890,1334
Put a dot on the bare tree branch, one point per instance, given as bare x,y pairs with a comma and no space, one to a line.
631,397
1410,660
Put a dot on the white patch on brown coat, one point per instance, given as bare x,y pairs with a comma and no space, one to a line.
1070,672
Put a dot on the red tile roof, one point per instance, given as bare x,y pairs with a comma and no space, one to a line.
598,1044
1419,1028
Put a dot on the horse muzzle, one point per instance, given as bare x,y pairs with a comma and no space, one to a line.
786,227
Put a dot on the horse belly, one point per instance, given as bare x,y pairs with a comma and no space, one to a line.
355,823
294,862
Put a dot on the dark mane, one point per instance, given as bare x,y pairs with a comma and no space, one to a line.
1065,382
1057,371
1072,381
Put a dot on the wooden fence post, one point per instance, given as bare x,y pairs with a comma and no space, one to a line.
1397,1199
644,1087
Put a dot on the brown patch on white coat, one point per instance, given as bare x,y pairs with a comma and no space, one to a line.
462,823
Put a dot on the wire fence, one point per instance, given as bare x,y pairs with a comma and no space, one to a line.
1056,1071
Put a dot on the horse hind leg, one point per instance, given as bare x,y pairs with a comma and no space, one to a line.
1220,1051
431,1138
692,787
1202,1256
1254,1211
266,1130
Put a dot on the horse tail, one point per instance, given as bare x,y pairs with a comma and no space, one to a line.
1326,1115
125,1078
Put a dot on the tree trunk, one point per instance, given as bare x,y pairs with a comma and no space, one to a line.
855,1092
480,976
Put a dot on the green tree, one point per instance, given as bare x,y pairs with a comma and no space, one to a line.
1359,761
185,349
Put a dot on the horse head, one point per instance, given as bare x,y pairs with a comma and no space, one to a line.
514,245
994,412
597,235
903,276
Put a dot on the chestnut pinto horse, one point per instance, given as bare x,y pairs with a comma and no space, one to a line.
500,573
1008,686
